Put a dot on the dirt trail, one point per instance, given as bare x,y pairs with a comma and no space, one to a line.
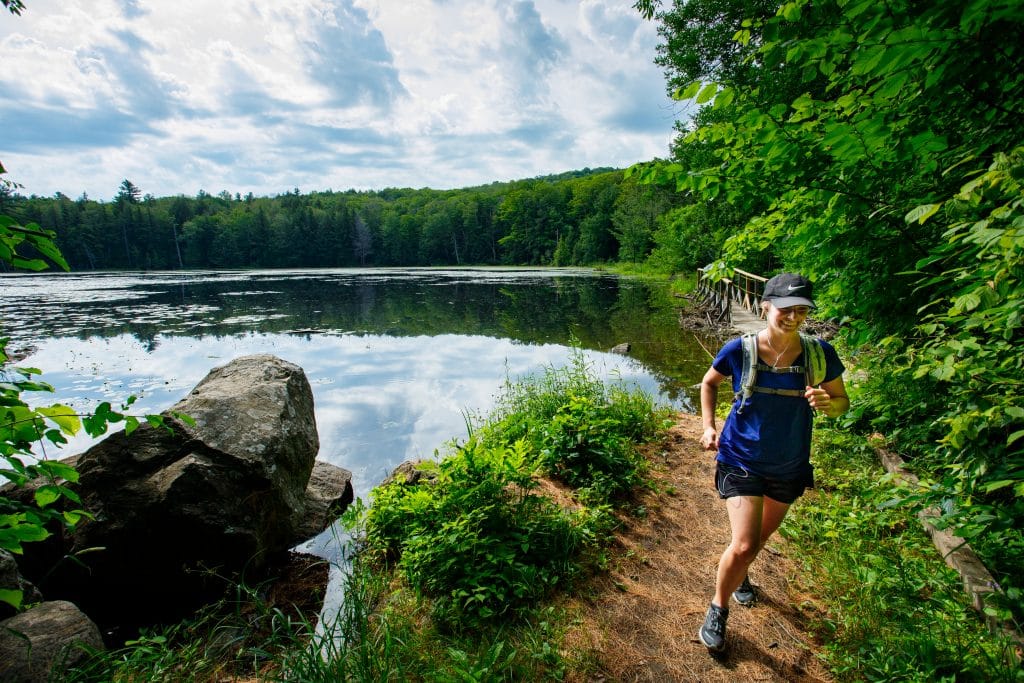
641,620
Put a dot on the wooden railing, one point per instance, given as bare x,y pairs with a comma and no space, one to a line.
743,288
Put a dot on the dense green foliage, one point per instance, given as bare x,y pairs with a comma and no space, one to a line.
574,218
478,539
876,147
583,431
895,611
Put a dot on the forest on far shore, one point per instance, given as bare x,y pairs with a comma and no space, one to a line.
580,217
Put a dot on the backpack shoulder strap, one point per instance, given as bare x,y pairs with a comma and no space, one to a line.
814,359
748,375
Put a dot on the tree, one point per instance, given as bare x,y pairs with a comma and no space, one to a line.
636,210
128,193
362,240
14,6
127,197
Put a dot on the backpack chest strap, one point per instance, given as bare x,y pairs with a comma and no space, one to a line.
779,392
761,367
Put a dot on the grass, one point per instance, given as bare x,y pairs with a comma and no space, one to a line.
893,609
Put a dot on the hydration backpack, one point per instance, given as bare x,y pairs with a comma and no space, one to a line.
813,368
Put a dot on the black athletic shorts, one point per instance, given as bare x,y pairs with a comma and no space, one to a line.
736,481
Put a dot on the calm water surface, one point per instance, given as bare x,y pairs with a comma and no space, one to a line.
396,358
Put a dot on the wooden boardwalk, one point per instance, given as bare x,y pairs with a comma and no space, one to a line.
737,299
744,321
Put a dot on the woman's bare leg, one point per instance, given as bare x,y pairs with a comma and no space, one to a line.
772,514
745,520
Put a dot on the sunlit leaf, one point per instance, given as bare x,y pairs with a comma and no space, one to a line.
63,416
47,495
922,213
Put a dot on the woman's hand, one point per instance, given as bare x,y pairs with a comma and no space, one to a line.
709,440
818,398
833,403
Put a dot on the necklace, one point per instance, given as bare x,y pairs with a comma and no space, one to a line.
778,354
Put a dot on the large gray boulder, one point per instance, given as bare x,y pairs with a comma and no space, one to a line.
38,644
328,494
176,511
225,490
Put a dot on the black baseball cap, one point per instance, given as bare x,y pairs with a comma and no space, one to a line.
789,289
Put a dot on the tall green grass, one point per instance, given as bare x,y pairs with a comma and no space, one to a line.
894,610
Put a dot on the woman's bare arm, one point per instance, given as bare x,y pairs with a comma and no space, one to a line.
708,402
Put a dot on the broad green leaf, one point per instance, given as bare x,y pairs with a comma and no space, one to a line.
922,213
59,470
187,419
72,517
706,93
63,416
11,597
155,420
724,98
34,264
47,495
996,485
28,532
46,247
791,11
131,423
689,92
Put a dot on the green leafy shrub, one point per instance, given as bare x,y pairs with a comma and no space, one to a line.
478,540
948,394
586,447
582,429
895,611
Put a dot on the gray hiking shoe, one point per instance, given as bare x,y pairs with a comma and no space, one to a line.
745,595
712,633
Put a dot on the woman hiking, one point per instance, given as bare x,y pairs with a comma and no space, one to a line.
780,378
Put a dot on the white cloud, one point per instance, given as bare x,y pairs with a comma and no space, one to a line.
247,95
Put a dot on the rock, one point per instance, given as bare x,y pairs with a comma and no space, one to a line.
412,472
224,491
622,349
39,644
11,579
180,513
328,494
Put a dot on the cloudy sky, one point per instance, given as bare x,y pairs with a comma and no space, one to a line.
259,96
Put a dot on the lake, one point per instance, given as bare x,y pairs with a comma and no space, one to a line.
396,357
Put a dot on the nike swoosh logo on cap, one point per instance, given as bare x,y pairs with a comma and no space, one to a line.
792,287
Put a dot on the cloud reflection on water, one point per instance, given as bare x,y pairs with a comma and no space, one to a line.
379,400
